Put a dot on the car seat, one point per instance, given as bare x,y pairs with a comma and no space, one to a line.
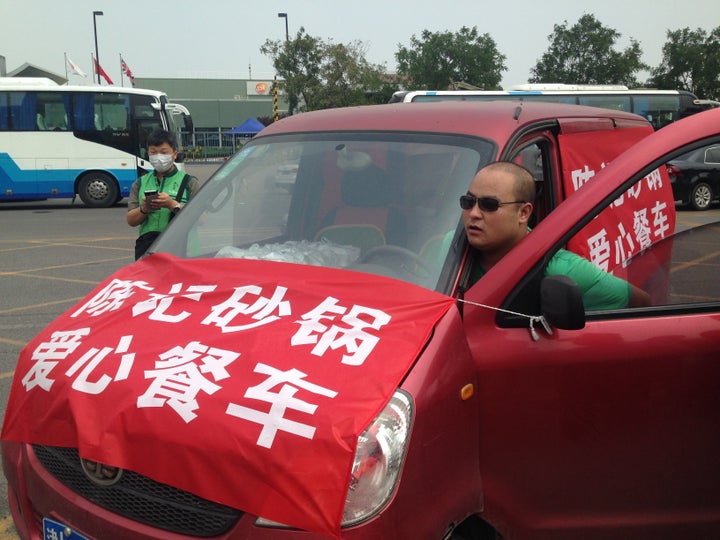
367,215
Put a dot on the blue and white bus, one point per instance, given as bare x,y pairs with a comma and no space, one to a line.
660,107
87,141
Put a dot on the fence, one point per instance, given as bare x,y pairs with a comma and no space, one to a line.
211,145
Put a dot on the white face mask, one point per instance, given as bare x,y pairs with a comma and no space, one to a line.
161,162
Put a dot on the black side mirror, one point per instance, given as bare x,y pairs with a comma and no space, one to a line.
561,303
180,158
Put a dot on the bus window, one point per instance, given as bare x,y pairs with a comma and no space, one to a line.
52,113
23,111
660,110
84,111
104,118
111,112
4,111
146,119
659,107
616,103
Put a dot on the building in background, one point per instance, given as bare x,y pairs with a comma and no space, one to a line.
216,105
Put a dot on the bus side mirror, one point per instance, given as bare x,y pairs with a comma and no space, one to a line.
180,158
561,303
188,123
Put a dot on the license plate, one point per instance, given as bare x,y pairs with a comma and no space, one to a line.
53,530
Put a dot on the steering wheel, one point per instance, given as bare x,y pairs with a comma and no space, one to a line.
408,261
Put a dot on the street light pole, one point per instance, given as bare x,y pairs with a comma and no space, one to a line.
97,56
284,16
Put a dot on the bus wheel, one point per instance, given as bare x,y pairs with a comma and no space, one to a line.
98,189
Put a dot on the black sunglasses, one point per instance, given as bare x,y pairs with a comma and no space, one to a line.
486,204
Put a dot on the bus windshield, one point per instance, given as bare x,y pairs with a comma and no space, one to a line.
62,141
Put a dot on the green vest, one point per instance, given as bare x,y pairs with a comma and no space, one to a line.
159,219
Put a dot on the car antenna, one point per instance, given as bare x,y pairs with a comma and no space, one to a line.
518,110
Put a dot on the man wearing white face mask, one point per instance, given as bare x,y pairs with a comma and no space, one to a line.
169,188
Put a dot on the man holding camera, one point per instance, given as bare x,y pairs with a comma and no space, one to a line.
165,190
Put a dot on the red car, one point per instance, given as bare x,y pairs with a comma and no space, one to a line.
311,359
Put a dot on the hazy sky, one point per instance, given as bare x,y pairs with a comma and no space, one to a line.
222,38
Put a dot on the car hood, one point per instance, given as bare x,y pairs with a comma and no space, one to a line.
245,382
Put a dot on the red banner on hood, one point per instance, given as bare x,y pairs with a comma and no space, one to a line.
637,219
244,382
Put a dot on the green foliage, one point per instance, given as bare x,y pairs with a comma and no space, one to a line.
439,59
319,75
584,54
691,61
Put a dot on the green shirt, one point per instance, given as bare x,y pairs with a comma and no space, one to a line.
599,289
170,184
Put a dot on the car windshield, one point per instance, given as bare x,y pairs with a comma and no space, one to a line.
384,203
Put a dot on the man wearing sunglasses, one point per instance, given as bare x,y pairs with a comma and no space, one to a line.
496,212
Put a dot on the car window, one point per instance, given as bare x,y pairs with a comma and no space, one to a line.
712,155
669,253
536,157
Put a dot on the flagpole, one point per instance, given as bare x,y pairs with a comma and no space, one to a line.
67,79
122,83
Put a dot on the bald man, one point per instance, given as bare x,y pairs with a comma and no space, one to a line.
496,211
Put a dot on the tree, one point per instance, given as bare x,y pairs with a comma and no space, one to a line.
438,60
584,54
319,75
691,61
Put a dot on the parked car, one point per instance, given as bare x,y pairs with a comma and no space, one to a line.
316,362
695,177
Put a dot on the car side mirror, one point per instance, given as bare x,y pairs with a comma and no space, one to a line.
561,303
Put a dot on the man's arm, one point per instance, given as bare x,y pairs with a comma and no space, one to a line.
135,214
638,297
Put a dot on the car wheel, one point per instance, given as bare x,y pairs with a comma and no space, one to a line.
98,190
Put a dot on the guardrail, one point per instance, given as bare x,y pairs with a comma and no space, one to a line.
211,146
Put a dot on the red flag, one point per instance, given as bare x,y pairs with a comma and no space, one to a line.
126,71
101,71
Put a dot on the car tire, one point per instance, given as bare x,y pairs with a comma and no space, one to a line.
701,196
98,190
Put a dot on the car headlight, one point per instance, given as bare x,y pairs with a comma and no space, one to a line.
379,458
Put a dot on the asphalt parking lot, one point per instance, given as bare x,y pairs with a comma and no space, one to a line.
52,253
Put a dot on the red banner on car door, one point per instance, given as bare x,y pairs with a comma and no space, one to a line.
638,218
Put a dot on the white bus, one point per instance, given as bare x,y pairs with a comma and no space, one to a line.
62,141
660,107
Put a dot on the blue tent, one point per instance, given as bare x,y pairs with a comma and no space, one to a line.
248,128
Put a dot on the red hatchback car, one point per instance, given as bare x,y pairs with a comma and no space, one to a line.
310,358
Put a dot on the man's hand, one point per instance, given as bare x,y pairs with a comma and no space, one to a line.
163,200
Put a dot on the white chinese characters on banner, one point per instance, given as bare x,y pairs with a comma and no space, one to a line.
184,372
159,304
290,382
178,379
261,310
606,246
48,354
352,336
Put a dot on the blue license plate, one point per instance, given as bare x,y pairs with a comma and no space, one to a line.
53,530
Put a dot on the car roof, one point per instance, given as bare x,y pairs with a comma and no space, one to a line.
495,119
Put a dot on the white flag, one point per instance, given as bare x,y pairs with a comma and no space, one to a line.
74,68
